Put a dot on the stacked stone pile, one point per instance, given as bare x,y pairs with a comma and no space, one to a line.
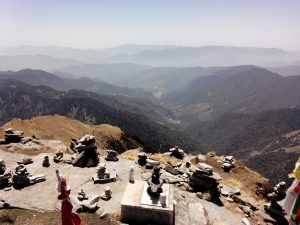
46,162
272,207
142,159
58,157
86,152
5,174
151,163
22,178
228,163
103,176
177,152
12,136
112,155
204,180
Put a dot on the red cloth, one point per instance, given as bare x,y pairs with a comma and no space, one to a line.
67,216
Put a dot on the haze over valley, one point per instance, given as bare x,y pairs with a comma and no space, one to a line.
214,79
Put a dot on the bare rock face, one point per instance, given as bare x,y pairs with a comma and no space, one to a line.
86,152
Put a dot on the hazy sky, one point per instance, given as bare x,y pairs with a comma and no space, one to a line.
99,23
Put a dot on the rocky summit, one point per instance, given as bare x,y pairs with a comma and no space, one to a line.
177,187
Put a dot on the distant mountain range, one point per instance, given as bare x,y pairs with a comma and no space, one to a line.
262,140
291,70
43,62
151,55
247,111
25,101
39,77
244,89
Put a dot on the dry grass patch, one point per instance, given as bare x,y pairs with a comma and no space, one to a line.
116,215
221,158
163,159
23,217
131,154
233,183
53,149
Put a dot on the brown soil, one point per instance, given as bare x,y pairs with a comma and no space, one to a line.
26,217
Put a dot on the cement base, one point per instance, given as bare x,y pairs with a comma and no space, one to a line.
133,211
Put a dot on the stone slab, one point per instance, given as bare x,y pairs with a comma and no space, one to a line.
197,214
133,211
113,178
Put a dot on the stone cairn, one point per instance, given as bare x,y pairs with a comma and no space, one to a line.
103,176
22,178
86,152
106,195
142,159
25,161
155,182
58,157
272,207
112,155
46,162
151,163
82,196
5,175
204,180
12,136
228,163
177,152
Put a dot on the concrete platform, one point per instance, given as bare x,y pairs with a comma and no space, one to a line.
137,208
